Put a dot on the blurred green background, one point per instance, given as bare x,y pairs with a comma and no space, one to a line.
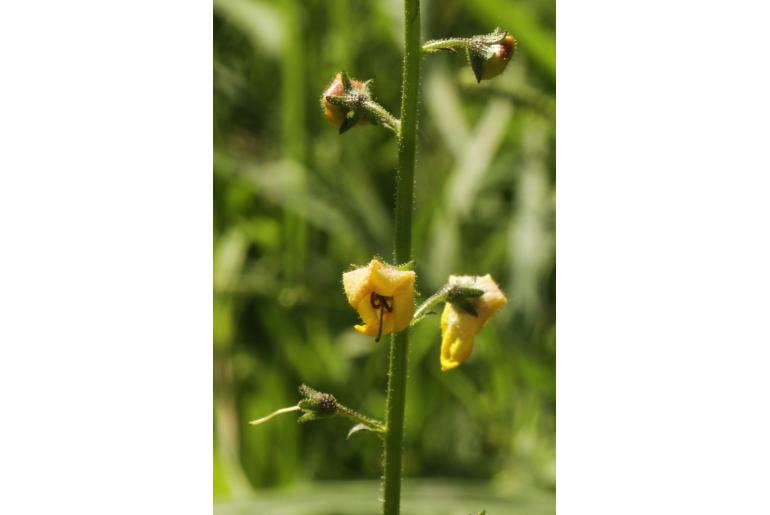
295,205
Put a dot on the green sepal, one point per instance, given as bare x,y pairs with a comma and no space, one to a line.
309,404
345,81
460,292
460,296
306,417
406,267
464,304
310,416
350,121
338,100
476,62
492,38
479,50
318,403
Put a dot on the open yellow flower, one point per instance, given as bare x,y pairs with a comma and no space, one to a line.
383,297
458,326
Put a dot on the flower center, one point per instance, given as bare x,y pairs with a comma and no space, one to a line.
382,303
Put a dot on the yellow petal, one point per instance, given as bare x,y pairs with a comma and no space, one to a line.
403,305
386,280
371,318
492,299
365,329
357,284
458,327
457,331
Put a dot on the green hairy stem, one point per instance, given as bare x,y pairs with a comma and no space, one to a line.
399,343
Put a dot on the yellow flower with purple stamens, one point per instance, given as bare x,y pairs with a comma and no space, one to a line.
383,296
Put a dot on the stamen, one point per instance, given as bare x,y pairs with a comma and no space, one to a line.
379,329
382,303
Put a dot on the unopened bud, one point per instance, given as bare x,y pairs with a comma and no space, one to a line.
316,404
489,59
335,101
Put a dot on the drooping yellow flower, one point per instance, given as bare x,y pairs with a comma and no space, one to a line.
383,297
458,326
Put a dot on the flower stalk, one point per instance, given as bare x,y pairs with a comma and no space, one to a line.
317,405
374,111
436,45
448,293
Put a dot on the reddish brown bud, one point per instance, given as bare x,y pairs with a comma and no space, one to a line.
492,60
338,114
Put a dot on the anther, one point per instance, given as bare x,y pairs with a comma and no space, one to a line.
382,303
379,329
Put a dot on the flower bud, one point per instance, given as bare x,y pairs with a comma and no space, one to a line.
315,404
338,96
488,60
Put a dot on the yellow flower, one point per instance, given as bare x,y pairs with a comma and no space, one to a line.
383,297
458,326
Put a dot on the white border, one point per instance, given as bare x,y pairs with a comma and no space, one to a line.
105,268
663,255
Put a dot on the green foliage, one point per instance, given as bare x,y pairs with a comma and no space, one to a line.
295,205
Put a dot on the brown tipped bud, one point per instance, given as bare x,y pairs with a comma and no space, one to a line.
490,60
335,114
340,115
315,404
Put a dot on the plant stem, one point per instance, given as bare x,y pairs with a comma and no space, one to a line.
380,114
399,343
